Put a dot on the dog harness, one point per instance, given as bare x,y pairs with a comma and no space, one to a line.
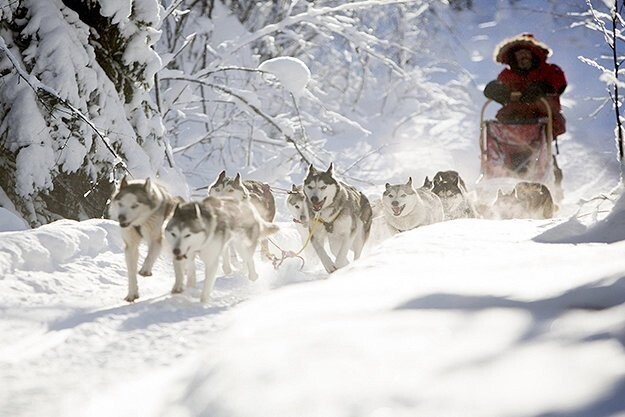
329,224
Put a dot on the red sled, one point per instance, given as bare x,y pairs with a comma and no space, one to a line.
520,150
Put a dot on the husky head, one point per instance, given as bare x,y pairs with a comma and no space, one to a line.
506,205
225,186
187,230
400,199
447,184
134,202
296,203
320,187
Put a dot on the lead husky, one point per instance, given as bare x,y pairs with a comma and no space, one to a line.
205,228
337,212
140,207
406,208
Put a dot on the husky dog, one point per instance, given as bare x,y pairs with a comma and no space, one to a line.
258,193
296,204
339,213
205,229
140,207
452,191
527,200
406,208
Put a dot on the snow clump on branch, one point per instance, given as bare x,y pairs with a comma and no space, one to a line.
292,73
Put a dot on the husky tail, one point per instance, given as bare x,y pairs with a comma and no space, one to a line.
268,228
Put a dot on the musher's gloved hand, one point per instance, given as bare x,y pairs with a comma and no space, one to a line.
535,91
497,91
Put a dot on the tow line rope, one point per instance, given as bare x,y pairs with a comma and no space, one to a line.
285,254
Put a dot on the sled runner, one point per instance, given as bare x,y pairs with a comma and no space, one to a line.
520,149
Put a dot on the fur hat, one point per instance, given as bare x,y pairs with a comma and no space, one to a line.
522,41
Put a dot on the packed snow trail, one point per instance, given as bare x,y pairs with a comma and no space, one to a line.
68,331
410,326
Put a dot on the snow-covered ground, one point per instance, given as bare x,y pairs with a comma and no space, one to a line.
461,318
513,326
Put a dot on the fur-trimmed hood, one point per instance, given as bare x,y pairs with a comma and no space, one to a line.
523,41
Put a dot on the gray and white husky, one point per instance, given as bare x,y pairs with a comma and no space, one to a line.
296,204
140,207
256,192
531,200
205,229
339,214
406,207
298,209
451,189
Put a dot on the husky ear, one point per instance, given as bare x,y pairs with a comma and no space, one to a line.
124,182
311,170
330,168
221,176
237,179
294,189
177,209
148,185
499,193
409,183
387,185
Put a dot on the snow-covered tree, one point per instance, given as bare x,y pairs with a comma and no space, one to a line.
223,109
75,78
606,18
92,89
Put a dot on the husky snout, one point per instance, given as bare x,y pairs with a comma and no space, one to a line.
397,209
179,255
123,221
316,203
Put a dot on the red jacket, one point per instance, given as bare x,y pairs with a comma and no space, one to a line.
518,81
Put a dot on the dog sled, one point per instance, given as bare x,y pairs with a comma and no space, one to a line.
516,151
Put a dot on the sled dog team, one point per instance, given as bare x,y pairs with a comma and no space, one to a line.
237,215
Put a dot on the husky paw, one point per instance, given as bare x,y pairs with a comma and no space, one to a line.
331,268
177,289
131,297
253,277
145,273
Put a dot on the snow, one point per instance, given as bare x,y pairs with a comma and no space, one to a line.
468,317
292,73
402,332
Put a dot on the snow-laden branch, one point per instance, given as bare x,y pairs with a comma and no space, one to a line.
311,15
593,63
37,86
248,104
